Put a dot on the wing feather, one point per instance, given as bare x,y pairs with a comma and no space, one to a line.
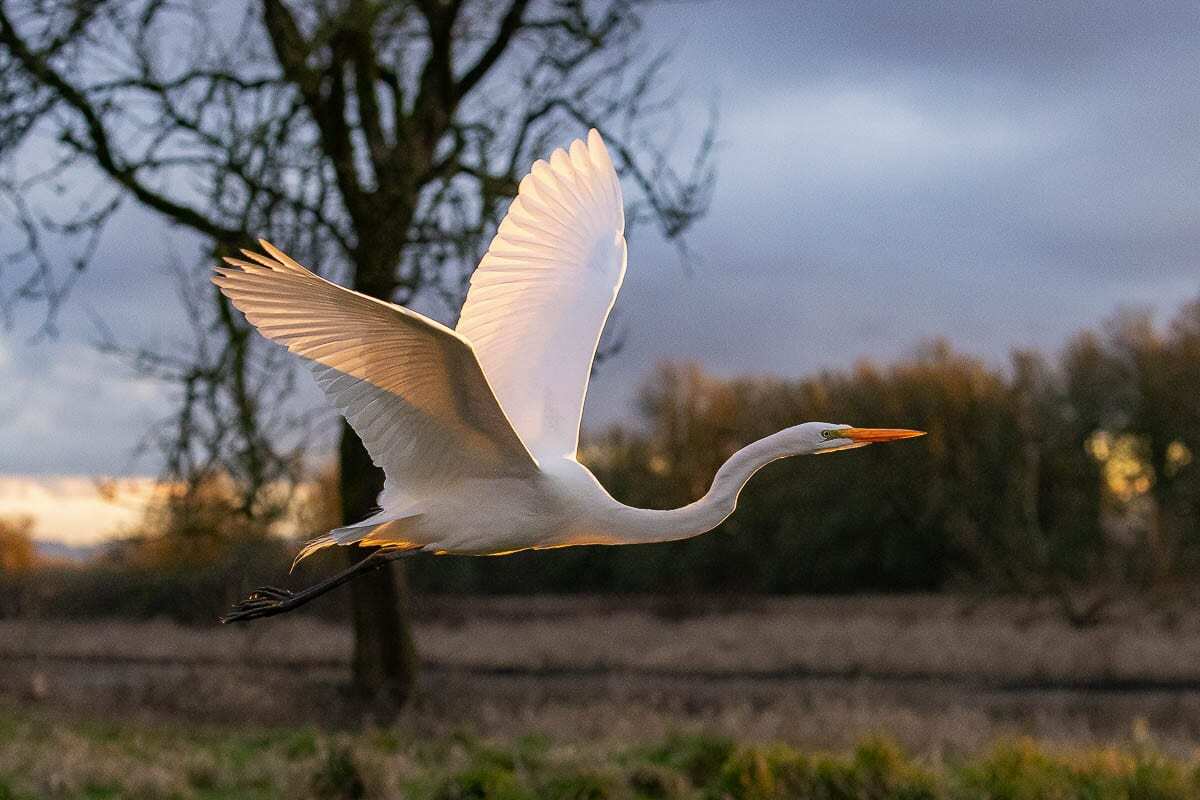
539,299
412,389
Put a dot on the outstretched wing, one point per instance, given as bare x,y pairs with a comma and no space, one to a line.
411,388
540,297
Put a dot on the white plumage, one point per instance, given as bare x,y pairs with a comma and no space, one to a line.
477,428
541,295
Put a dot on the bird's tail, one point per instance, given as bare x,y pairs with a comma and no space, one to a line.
312,546
357,533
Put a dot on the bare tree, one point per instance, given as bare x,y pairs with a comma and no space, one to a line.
378,140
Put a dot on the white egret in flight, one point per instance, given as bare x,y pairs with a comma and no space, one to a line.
476,428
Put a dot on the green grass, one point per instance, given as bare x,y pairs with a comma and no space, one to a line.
52,758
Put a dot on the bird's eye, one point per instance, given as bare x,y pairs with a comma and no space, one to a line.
829,434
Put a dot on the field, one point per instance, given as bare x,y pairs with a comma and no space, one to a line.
47,757
529,691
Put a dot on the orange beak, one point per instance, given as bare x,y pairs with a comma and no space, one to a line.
876,435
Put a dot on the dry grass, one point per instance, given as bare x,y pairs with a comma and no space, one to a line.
934,673
995,641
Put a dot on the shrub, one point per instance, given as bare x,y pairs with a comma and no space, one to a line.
338,778
484,782
582,785
698,757
1019,770
877,770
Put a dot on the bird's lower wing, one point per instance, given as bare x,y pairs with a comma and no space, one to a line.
540,297
412,389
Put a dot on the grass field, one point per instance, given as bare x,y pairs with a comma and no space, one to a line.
615,697
43,757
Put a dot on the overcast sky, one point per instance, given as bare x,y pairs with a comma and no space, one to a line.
999,174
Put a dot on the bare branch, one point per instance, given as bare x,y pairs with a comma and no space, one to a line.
510,24
99,146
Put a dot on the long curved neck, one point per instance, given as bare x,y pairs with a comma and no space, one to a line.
640,525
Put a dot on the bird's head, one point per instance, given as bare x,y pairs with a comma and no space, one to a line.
828,437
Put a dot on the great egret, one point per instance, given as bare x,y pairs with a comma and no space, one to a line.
476,428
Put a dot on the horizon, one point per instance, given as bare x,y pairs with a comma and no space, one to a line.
86,510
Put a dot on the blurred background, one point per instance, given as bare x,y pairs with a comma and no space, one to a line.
974,220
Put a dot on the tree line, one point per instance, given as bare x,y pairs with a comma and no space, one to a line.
1071,476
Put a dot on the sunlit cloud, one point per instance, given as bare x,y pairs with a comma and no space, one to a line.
86,510
77,510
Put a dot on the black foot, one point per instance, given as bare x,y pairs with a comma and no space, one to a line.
264,601
270,593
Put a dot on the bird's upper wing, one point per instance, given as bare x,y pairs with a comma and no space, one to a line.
540,297
411,388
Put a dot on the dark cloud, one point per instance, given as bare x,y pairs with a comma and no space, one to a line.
69,409
1000,174
784,41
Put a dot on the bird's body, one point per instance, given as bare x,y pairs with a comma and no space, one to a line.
477,428
562,505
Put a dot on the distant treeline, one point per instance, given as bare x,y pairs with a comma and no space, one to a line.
1043,476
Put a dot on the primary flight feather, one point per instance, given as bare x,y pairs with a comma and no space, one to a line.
476,429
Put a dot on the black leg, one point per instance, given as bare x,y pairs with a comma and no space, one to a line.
267,601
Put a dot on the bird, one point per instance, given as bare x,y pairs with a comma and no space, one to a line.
476,428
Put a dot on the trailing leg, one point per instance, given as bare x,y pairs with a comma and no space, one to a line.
267,601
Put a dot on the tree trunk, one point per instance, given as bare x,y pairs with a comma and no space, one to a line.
385,662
